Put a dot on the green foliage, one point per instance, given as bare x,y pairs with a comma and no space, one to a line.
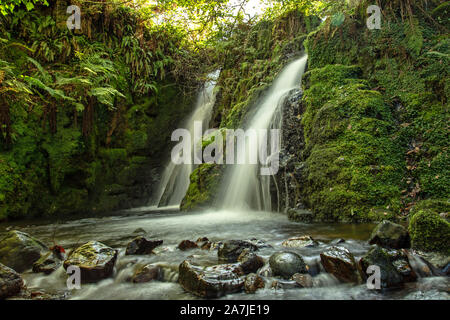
8,6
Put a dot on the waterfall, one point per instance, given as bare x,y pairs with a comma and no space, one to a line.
243,186
175,178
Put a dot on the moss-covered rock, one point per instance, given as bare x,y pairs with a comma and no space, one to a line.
19,250
429,232
10,282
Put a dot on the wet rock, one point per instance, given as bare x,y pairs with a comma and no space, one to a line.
380,257
421,266
303,280
232,249
298,215
250,262
341,263
10,282
139,231
141,246
187,245
18,250
428,295
284,284
400,261
390,235
437,259
210,282
95,260
286,264
147,273
48,263
260,244
265,271
335,242
300,242
253,282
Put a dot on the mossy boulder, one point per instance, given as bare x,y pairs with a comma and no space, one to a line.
95,260
390,235
18,250
48,263
429,232
10,282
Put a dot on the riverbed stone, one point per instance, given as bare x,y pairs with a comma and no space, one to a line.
18,250
380,257
286,264
341,263
400,261
187,245
230,250
253,282
142,246
390,235
250,262
147,273
300,242
95,260
48,263
10,282
303,280
212,281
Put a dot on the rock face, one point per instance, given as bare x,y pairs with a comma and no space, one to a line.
19,250
187,245
341,263
286,264
141,245
232,249
250,262
210,282
300,242
390,235
147,273
10,282
253,282
379,256
48,263
95,260
300,215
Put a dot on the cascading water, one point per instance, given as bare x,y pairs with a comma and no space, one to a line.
175,179
243,186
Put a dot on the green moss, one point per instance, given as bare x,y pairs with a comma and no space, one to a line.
429,232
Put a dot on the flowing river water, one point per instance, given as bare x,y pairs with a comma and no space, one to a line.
171,226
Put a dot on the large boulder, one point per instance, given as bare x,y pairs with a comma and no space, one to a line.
390,235
10,282
141,246
300,242
341,263
18,250
380,257
95,260
429,232
210,282
230,250
286,264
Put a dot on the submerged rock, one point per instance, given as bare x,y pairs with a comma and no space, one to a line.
284,284
286,264
341,263
10,282
95,260
390,235
253,282
141,245
250,262
300,242
147,273
18,250
48,263
230,250
210,282
187,245
380,257
303,280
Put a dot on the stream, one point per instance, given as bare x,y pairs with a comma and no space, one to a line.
172,226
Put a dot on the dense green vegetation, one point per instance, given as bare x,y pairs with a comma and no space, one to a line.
85,115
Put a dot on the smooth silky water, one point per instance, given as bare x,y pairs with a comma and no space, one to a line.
173,227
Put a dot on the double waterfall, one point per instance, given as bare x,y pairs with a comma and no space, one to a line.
242,187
